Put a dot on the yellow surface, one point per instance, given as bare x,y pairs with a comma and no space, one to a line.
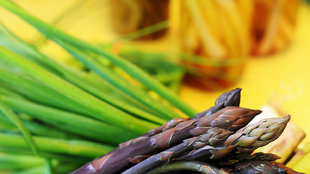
283,79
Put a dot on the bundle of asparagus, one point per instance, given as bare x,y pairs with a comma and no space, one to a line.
213,136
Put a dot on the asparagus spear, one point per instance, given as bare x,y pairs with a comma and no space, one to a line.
259,134
263,167
230,118
168,125
235,159
258,167
243,141
189,166
283,146
213,136
230,98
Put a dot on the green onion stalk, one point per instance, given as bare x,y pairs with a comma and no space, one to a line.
55,117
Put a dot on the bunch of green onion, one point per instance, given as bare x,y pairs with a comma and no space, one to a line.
54,117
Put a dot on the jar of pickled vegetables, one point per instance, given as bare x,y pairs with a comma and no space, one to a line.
214,41
217,36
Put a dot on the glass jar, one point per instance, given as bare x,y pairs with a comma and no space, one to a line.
217,36
214,41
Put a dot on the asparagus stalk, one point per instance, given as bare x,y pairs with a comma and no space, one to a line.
168,125
243,141
230,98
259,134
213,136
282,147
230,118
244,157
258,167
195,166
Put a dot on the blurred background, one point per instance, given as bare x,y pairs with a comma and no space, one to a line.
199,49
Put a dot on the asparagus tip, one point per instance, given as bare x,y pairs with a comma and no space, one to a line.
230,98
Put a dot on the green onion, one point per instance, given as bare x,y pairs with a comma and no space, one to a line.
14,118
14,43
37,128
69,121
102,110
67,115
56,35
69,147
58,157
118,81
38,92
11,162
